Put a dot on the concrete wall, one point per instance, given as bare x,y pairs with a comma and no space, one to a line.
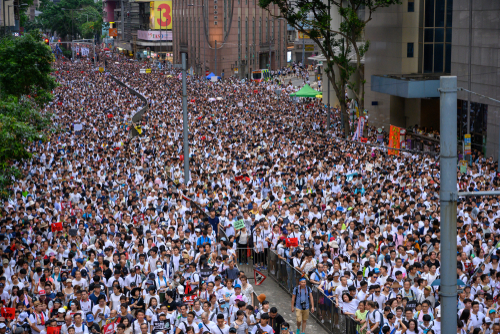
485,58
389,32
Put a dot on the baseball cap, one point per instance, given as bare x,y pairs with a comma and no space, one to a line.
62,310
237,286
90,318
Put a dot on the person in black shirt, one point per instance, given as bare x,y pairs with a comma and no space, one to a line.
275,320
170,302
92,326
107,271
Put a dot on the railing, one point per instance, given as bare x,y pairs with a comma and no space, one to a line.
138,115
247,258
330,317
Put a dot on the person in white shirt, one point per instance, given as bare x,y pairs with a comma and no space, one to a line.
263,325
221,327
182,328
101,311
38,318
476,317
205,324
80,327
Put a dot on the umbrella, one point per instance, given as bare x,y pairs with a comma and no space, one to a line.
219,98
106,49
169,76
437,282
319,96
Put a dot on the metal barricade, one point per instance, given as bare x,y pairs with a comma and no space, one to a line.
330,317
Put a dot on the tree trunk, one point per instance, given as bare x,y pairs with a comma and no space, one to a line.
361,80
344,118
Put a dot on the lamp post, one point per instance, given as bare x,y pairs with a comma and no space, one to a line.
160,33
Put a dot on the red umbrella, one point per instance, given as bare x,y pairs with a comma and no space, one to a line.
106,49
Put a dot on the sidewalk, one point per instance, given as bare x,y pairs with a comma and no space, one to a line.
280,299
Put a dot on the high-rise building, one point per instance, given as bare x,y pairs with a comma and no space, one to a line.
143,28
228,37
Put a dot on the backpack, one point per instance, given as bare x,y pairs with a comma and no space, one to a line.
381,319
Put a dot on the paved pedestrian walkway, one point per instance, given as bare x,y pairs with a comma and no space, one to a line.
283,301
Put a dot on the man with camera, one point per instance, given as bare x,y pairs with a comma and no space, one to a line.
302,300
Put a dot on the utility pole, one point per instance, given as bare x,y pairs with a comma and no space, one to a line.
448,197
185,121
328,78
216,58
160,35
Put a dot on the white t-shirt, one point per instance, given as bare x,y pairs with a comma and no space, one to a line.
38,319
83,329
104,311
266,329
220,330
182,327
116,301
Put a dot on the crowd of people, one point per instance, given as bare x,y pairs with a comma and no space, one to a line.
103,235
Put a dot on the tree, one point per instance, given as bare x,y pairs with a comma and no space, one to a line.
339,45
25,67
21,124
25,86
69,17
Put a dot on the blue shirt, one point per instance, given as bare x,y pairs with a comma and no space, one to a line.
301,295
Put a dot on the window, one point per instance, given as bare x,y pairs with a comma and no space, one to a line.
411,6
436,36
409,50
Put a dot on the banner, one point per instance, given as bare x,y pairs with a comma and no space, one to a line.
292,242
110,328
467,142
8,313
160,14
359,130
394,140
56,227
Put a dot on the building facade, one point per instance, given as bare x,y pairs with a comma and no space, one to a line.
228,37
415,43
140,29
484,72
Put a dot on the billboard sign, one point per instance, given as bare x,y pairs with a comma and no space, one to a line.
160,14
154,35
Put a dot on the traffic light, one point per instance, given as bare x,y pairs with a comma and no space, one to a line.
46,41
